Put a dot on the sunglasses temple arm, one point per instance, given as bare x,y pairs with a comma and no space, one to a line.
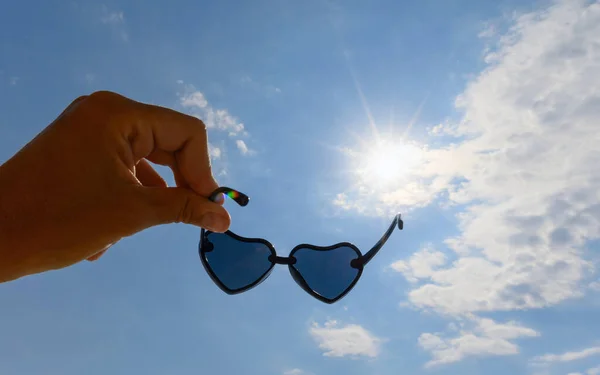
239,197
371,253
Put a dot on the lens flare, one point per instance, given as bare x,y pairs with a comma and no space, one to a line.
388,162
233,194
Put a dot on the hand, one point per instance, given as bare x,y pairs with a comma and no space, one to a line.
85,182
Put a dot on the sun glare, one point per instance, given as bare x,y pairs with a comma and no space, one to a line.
387,162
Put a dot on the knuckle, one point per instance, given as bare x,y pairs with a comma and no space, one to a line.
103,96
195,124
79,99
201,125
108,108
186,212
107,101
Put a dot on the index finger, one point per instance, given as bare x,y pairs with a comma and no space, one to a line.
159,128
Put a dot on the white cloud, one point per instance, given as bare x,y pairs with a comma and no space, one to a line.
483,337
421,264
595,286
347,201
350,340
524,166
194,100
214,152
196,104
241,145
566,357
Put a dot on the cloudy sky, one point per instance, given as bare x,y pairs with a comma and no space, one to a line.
477,120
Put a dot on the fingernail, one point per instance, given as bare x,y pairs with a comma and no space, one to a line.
220,198
212,222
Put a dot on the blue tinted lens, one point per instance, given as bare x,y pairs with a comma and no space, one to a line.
237,264
327,273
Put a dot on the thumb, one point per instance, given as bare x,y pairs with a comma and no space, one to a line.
181,205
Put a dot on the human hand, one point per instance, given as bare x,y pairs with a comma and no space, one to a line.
85,182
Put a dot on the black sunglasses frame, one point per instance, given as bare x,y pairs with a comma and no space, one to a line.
359,263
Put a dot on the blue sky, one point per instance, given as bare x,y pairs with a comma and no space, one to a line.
475,119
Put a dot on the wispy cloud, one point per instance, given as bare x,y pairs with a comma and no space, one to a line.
296,371
566,357
489,30
193,100
266,89
476,337
214,152
90,78
115,20
350,340
243,148
196,104
591,371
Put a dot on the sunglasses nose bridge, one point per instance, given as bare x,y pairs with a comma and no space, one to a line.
282,260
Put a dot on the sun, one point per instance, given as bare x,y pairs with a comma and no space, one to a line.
387,162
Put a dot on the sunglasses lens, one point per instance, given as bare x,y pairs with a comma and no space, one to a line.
237,264
327,272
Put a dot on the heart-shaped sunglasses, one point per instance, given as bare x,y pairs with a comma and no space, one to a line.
237,264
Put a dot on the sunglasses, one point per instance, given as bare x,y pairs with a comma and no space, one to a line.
237,264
